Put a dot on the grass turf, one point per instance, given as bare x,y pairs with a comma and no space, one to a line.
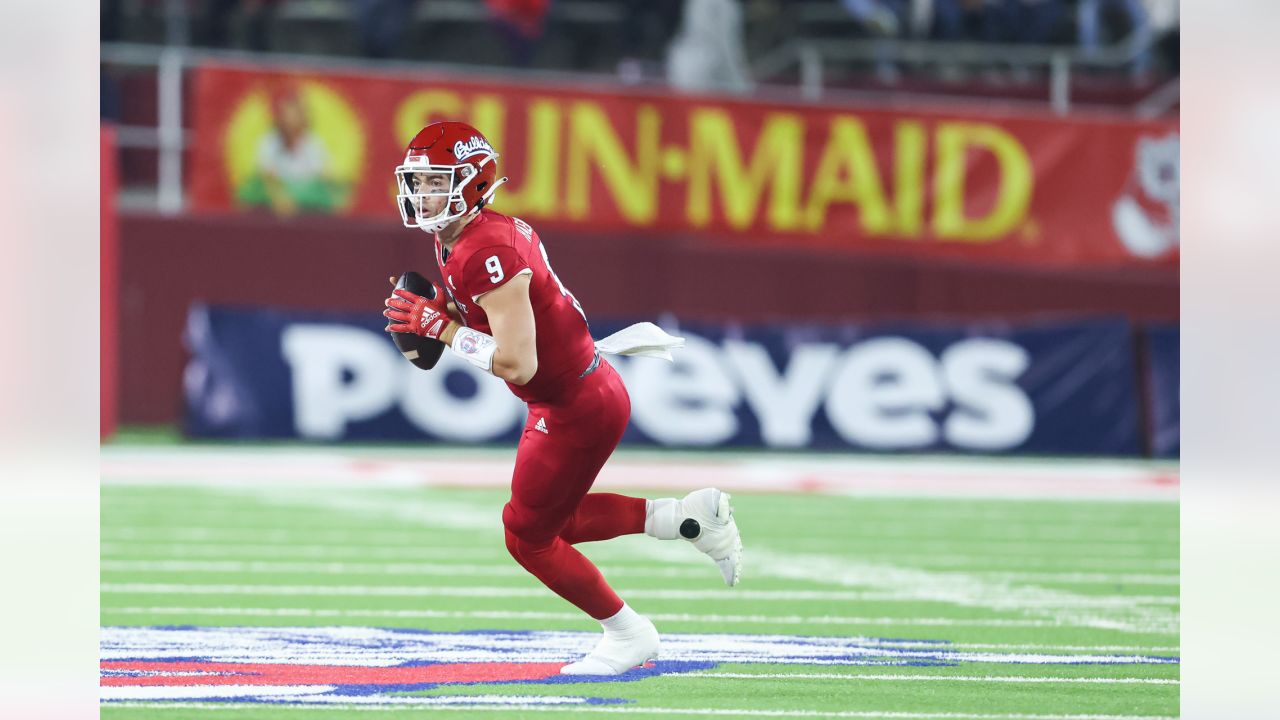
1001,577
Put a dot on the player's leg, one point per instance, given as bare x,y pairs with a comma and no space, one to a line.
546,488
532,537
554,470
604,516
703,517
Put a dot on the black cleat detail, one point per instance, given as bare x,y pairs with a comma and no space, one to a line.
690,529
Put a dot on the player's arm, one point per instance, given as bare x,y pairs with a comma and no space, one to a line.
501,277
511,317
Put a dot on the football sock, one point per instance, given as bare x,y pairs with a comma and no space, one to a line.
662,518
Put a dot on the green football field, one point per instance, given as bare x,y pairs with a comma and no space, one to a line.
272,596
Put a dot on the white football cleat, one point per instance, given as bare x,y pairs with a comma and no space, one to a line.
708,523
619,650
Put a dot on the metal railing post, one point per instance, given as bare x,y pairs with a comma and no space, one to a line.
169,83
1160,101
1060,83
810,72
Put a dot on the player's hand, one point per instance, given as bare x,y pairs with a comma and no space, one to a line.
410,313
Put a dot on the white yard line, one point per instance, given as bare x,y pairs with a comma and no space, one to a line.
701,619
488,527
122,550
373,538
906,531
118,549
1114,612
726,594
639,710
574,616
500,569
1075,578
507,568
384,647
801,620
928,678
1117,612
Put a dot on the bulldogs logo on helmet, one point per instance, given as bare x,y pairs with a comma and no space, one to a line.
446,159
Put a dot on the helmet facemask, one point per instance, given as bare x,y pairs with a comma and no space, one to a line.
420,183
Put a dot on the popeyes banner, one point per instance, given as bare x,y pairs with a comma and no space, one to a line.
1035,389
1077,192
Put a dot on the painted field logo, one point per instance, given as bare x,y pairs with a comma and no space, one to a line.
354,665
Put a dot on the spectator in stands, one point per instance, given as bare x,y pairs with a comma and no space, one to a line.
992,21
109,104
707,53
1163,16
258,17
959,20
1132,14
1031,22
521,23
647,27
292,165
883,18
111,21
382,24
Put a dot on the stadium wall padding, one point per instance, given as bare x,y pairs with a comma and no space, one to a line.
1162,373
108,289
169,263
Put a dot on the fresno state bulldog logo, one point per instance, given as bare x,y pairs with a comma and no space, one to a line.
1145,216
467,344
375,666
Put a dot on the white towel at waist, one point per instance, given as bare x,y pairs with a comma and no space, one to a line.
642,339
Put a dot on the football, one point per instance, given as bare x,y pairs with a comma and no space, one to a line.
421,351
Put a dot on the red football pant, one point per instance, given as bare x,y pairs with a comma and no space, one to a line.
550,509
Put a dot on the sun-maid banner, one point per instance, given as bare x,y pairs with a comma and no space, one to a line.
1034,189
1164,398
1056,389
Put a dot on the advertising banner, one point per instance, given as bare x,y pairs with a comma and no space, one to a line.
1060,389
1040,190
1163,390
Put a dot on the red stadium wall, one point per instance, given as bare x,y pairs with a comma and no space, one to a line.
327,263
109,289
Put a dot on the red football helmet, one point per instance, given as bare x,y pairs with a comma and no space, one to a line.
450,171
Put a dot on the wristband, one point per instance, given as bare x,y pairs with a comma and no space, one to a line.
474,347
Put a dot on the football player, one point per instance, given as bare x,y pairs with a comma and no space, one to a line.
505,311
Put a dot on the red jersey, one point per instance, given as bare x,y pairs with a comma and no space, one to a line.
494,248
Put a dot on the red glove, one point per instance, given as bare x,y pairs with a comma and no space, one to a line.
410,313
